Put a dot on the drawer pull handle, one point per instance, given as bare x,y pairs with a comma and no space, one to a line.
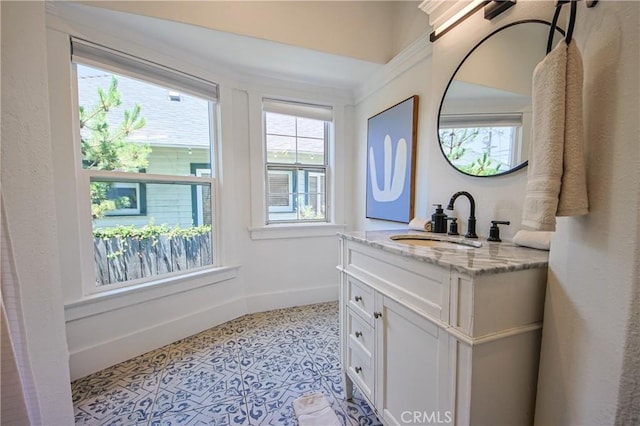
357,298
358,333
358,369
377,314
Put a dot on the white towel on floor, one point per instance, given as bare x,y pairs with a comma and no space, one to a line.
556,159
314,410
540,240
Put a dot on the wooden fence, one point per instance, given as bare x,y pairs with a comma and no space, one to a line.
125,259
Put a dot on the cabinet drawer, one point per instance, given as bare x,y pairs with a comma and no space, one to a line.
359,333
360,369
361,299
419,284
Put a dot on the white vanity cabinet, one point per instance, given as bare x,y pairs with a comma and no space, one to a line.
429,344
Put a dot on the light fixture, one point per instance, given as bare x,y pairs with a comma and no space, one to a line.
491,10
495,8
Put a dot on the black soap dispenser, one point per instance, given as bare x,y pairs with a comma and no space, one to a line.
439,220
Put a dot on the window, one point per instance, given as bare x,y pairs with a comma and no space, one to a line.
147,160
482,144
280,191
296,145
128,198
201,197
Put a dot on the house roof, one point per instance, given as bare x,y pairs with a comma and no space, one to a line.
182,123
173,123
310,135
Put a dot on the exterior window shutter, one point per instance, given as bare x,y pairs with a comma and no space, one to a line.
279,190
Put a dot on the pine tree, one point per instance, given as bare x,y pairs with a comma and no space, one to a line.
106,149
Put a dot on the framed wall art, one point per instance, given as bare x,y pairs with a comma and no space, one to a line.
391,162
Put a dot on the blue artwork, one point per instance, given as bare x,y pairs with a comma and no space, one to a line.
391,141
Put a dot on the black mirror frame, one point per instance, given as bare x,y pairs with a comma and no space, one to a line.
524,163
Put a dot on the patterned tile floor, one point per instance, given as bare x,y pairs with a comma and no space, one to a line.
244,372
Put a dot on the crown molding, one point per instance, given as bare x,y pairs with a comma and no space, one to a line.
430,6
413,54
441,10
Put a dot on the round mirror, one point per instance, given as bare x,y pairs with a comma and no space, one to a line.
484,124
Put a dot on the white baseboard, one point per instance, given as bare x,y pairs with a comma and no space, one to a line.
95,358
286,299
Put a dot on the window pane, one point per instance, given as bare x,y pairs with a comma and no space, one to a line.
281,149
278,124
126,197
297,195
171,232
311,195
310,128
280,191
310,151
129,125
481,150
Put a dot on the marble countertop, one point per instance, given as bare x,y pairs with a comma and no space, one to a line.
490,258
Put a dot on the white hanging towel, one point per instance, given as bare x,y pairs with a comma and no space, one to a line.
544,173
556,183
314,410
573,191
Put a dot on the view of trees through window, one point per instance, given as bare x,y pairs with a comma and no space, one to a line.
479,151
135,138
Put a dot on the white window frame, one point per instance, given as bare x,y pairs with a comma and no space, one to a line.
298,110
94,55
337,177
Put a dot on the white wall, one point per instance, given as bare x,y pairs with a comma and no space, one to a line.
265,273
498,198
27,190
594,260
591,267
413,81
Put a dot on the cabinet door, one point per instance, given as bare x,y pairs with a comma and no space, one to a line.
411,367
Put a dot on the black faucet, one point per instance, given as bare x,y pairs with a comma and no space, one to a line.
471,229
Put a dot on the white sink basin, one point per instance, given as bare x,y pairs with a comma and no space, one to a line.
432,241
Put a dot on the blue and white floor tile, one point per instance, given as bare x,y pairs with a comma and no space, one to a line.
245,372
229,413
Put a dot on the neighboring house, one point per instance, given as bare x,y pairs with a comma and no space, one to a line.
177,131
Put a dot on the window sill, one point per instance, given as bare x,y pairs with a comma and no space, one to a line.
302,230
106,301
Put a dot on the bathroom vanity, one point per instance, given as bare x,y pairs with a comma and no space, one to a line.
441,333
